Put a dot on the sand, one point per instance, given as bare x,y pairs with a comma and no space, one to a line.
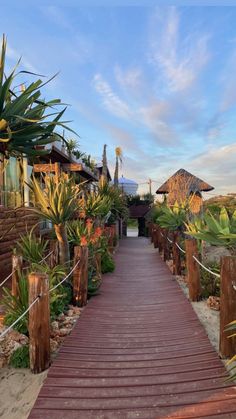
19,389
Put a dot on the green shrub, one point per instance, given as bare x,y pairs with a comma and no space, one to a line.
20,357
15,306
31,247
107,263
210,284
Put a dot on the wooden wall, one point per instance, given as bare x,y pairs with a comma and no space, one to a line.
12,224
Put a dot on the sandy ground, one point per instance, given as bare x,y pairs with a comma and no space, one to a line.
18,392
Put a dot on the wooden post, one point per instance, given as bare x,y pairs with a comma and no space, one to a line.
80,276
155,236
227,304
160,241
54,257
166,246
17,262
39,323
193,270
99,264
176,255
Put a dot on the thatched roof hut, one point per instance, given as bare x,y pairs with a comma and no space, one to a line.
182,185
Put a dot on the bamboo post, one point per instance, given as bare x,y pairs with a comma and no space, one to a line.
17,262
54,257
39,323
176,255
193,270
227,304
80,276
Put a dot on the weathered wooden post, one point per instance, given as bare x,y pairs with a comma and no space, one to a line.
54,257
39,322
176,255
193,270
166,246
160,239
155,236
227,304
17,263
80,276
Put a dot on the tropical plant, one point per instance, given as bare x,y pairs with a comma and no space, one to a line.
104,166
20,357
81,233
71,146
96,205
57,202
217,230
118,208
107,263
24,122
32,247
172,218
119,158
15,306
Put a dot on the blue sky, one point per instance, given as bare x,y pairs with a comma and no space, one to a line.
157,81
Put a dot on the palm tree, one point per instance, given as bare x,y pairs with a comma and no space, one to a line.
118,152
24,122
57,202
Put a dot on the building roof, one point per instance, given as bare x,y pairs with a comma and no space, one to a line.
137,211
124,181
197,183
99,167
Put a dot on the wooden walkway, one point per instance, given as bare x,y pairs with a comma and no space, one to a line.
138,351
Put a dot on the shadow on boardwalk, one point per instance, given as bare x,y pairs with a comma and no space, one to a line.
138,351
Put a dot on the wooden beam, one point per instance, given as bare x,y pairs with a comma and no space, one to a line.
44,167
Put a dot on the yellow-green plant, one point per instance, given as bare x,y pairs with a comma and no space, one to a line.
96,205
32,247
172,217
217,230
57,202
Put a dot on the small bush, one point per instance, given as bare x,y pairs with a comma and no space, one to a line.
108,264
20,357
210,283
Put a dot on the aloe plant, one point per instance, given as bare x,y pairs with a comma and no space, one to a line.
96,205
57,202
24,122
216,230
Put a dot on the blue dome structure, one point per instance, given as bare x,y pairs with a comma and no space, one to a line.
128,186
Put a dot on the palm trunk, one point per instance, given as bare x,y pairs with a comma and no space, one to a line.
116,174
64,251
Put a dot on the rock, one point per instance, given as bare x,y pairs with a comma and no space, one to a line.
54,326
213,303
64,332
77,310
70,313
17,337
61,317
54,344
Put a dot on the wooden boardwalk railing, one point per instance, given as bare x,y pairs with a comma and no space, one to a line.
138,351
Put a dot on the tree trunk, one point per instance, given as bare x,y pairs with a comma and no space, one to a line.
64,251
116,174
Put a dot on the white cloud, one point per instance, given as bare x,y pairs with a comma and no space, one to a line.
180,61
110,99
131,78
15,55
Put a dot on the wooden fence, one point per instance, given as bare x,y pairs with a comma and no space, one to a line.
169,244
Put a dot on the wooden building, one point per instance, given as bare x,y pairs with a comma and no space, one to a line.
183,185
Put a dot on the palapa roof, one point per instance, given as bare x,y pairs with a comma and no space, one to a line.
138,211
194,182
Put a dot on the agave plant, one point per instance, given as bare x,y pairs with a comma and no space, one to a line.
15,306
32,247
217,230
57,202
117,199
24,122
172,218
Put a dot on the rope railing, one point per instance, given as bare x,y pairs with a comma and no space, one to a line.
25,267
19,318
194,257
66,277
204,267
39,296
